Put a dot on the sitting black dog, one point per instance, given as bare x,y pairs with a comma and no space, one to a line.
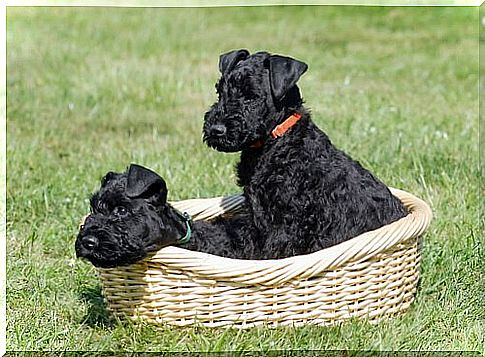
302,193
130,217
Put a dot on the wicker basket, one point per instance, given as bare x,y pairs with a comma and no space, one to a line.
371,276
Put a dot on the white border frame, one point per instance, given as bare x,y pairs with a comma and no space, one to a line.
137,3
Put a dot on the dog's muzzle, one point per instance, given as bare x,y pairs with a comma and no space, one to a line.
217,130
85,246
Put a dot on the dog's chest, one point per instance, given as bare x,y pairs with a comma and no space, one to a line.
270,171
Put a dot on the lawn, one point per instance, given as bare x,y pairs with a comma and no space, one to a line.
92,89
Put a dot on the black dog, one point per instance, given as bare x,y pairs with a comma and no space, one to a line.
302,193
130,217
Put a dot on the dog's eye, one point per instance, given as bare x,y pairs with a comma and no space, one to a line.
120,211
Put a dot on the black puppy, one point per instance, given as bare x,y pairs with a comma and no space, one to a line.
130,217
302,193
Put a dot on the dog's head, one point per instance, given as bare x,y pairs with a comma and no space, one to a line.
255,92
129,218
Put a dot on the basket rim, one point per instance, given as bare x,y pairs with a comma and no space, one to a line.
277,271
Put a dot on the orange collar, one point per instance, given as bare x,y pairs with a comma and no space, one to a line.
280,129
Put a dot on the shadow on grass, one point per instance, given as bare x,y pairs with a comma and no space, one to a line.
97,315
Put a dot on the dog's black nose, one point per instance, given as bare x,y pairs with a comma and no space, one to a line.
218,130
89,242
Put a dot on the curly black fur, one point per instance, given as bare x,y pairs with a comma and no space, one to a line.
302,193
131,217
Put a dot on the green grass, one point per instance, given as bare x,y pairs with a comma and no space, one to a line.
93,89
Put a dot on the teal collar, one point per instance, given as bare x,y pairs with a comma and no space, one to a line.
188,221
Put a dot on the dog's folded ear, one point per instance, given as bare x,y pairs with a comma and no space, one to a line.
284,72
228,61
143,182
109,176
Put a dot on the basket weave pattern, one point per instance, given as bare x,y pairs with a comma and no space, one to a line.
371,276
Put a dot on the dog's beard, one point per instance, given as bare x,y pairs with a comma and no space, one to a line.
224,144
245,125
236,138
111,253
103,260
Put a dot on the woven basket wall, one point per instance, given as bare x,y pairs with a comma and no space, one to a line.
371,276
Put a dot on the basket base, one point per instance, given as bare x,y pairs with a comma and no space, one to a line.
378,288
